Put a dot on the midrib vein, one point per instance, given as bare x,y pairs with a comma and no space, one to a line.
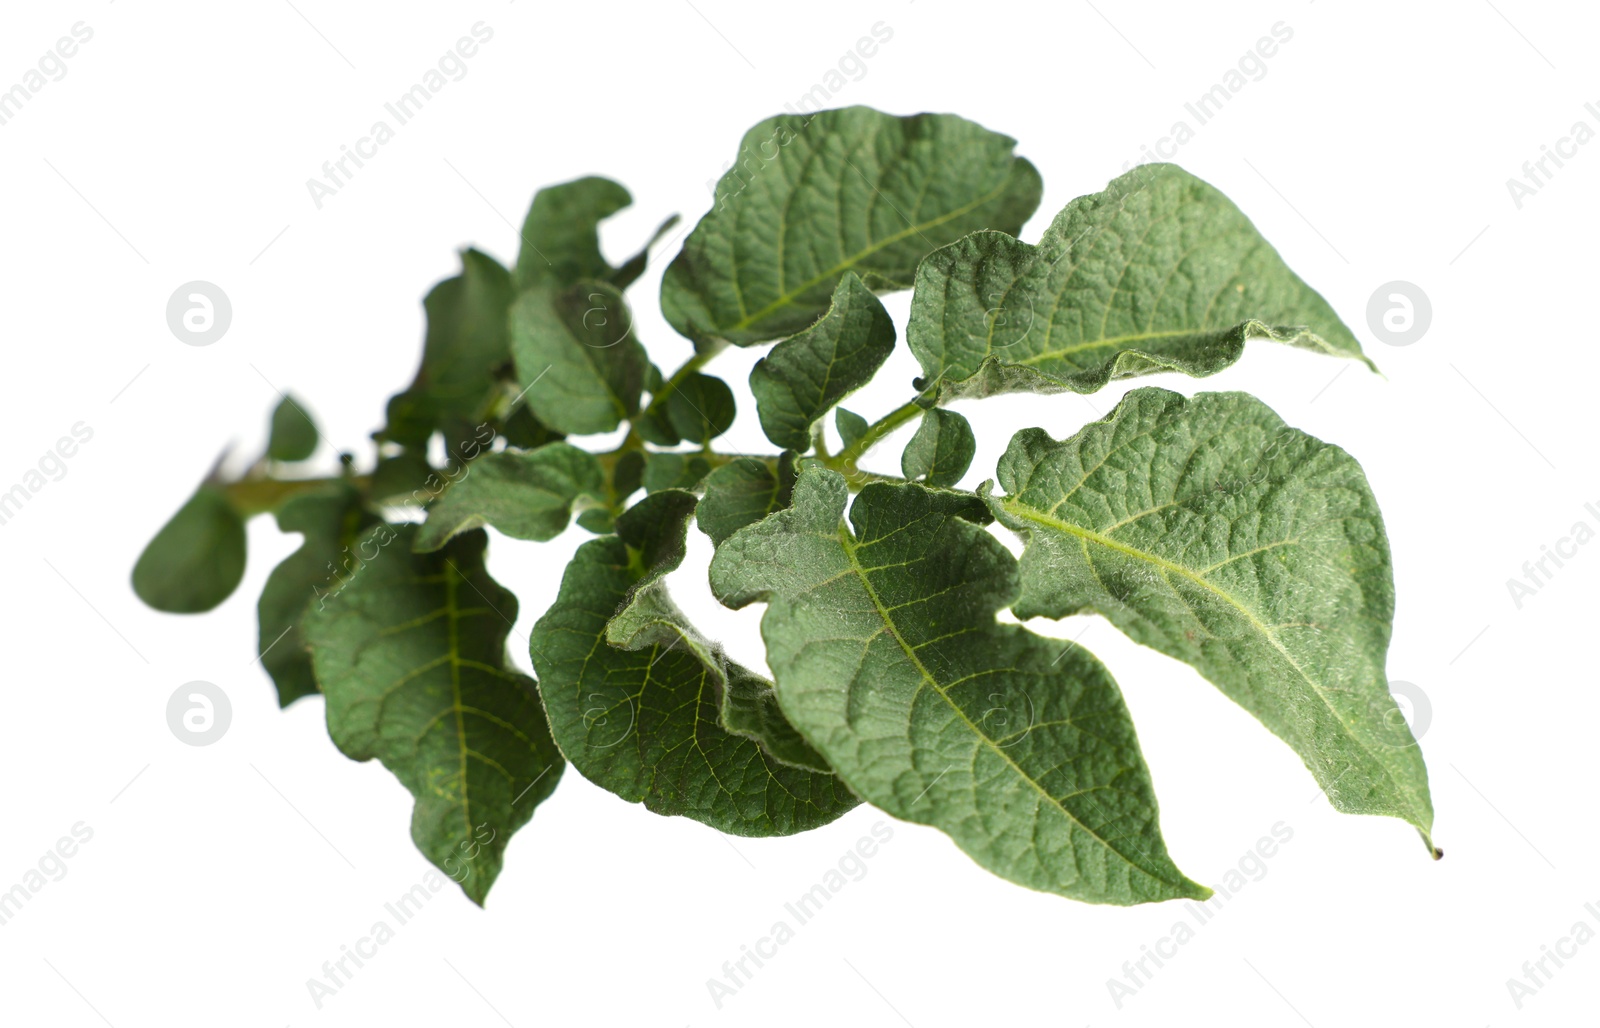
1027,513
849,544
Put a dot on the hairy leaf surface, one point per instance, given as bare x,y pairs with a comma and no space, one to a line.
1211,531
811,197
941,450
411,656
1160,272
634,693
801,378
742,492
580,366
525,494
887,657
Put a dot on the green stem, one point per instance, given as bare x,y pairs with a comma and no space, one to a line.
252,496
689,367
845,460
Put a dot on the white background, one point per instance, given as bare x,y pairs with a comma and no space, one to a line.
1377,147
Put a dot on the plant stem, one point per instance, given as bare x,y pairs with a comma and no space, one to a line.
689,367
845,460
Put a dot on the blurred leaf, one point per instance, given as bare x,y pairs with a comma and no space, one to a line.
196,560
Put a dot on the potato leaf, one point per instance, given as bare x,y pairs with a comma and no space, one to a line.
801,378
1211,531
580,366
525,494
293,435
1160,272
330,521
197,559
643,721
811,197
411,656
888,659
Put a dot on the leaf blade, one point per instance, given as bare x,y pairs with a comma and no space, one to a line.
1209,530
871,192
635,694
1159,272
803,377
411,657
899,608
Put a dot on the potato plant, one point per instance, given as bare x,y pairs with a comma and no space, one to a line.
1203,527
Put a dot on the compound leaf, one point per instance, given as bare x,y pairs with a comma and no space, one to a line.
580,366
197,559
1211,531
330,521
889,661
814,196
1160,272
802,377
634,695
525,494
411,656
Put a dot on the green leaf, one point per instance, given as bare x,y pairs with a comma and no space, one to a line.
888,659
197,559
293,436
742,492
750,708
700,408
561,234
525,494
803,376
1160,272
674,471
851,426
579,364
465,350
1211,531
941,450
411,656
643,722
811,197
330,521
401,477
627,476
525,431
